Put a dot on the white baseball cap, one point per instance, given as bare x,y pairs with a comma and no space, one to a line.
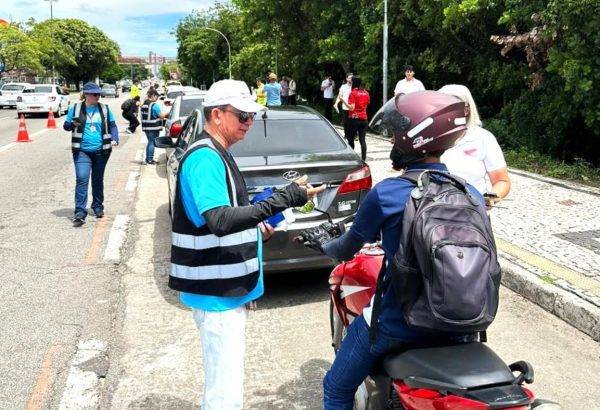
231,92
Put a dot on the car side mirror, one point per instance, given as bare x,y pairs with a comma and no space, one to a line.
164,142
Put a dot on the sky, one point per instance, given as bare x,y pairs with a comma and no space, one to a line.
138,26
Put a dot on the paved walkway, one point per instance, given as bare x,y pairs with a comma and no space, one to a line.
548,227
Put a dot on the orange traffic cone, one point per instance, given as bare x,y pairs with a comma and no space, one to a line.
22,135
51,123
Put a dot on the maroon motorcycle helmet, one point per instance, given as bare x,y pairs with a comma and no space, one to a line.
421,123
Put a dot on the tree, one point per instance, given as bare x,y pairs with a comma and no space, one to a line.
167,69
53,53
135,72
91,49
113,74
18,50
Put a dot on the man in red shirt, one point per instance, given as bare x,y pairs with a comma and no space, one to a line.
358,102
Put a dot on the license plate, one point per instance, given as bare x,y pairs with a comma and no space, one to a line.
12,102
35,108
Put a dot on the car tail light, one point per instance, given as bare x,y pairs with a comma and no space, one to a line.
167,103
175,129
52,98
357,180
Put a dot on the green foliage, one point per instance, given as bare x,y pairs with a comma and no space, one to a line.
540,94
18,50
167,69
135,72
112,74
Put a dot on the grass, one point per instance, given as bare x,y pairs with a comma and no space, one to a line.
580,171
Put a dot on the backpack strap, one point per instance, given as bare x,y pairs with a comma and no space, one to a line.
379,291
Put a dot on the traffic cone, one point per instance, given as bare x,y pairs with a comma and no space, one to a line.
22,135
51,122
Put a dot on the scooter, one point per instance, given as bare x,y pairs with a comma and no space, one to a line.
466,376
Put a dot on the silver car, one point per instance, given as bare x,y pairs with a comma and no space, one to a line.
182,107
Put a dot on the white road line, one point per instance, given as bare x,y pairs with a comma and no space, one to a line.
7,146
116,239
82,390
132,181
10,116
139,155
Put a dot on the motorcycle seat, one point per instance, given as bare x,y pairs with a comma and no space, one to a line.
465,366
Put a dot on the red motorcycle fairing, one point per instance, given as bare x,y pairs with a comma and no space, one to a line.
352,283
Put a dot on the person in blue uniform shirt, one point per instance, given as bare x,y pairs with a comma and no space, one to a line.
93,134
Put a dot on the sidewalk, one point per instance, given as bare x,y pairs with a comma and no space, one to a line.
548,237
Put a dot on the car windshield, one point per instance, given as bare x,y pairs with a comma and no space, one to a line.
42,89
13,87
189,105
174,94
288,137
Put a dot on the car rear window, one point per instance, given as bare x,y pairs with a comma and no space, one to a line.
42,89
174,94
287,137
189,105
12,87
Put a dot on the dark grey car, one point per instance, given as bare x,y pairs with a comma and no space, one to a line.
281,145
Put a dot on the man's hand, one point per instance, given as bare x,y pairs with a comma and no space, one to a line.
266,230
76,122
310,191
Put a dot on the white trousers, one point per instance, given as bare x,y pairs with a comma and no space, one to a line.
223,339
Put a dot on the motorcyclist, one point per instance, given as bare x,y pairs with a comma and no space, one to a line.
424,125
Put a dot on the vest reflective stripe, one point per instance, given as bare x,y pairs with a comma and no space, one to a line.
213,241
235,270
204,263
148,123
77,137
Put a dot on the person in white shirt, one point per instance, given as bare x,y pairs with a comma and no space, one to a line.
342,97
327,87
409,84
477,157
292,91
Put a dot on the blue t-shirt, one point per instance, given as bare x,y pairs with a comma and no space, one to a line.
204,187
273,91
381,213
155,111
92,133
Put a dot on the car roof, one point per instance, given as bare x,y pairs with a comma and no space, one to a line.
291,112
24,84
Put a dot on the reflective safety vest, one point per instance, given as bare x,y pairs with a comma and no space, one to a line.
206,264
149,123
261,96
78,133
135,91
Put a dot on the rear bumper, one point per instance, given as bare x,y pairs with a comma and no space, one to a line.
33,108
296,264
8,101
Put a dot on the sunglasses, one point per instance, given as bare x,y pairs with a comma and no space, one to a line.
242,116
95,95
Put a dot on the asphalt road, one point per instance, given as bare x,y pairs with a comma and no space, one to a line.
56,289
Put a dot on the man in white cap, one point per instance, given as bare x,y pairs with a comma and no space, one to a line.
216,240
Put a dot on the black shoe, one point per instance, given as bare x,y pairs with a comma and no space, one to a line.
77,222
99,214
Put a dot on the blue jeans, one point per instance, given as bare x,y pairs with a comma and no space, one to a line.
151,135
354,361
86,163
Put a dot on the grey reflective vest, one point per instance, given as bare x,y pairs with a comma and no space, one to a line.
78,133
206,264
149,123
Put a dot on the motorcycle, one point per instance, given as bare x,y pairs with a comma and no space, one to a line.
465,376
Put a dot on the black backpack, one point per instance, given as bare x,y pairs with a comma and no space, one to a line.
445,274
126,106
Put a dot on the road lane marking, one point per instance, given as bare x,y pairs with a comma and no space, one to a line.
116,238
101,227
45,379
132,181
7,146
139,155
82,390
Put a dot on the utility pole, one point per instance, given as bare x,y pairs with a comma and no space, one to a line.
385,52
51,19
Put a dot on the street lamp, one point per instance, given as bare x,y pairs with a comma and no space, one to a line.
51,18
385,52
228,46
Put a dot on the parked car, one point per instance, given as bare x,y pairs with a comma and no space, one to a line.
175,91
110,90
43,98
10,92
183,106
126,86
282,145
